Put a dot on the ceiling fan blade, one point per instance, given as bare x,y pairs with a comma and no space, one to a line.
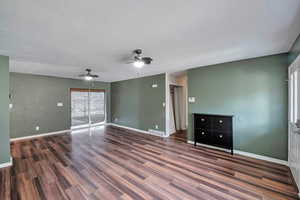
147,60
82,75
94,76
130,61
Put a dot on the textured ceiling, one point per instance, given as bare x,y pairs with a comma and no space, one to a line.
63,37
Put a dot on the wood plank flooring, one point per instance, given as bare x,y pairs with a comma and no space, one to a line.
113,163
180,135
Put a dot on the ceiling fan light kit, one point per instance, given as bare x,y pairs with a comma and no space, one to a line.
88,76
140,61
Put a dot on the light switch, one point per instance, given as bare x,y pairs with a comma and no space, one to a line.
60,104
11,106
192,99
37,128
154,85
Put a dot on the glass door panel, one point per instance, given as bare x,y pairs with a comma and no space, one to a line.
79,108
97,106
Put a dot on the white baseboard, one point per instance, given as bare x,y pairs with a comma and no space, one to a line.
150,131
39,135
7,164
156,132
251,155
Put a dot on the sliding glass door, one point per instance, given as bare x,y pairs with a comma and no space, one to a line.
87,107
97,107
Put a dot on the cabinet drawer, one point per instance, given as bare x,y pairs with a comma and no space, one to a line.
221,139
203,136
222,124
202,121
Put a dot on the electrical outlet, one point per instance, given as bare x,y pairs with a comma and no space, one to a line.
154,86
60,104
156,126
116,119
37,128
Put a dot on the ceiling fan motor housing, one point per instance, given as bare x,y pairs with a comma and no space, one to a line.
138,51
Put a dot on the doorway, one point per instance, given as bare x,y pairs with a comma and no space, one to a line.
176,105
87,107
294,120
177,115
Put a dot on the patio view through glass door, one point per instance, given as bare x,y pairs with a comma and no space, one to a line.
87,107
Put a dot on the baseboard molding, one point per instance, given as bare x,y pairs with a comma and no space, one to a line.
251,155
39,135
7,164
260,157
156,132
150,131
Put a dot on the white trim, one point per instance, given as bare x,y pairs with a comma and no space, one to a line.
39,135
167,105
260,157
157,133
251,155
150,131
7,164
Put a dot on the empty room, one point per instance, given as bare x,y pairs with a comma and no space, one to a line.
144,100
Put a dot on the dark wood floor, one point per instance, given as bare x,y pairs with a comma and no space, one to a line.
112,163
180,136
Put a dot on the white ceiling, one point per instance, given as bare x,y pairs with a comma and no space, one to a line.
62,37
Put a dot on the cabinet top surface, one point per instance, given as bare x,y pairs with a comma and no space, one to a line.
213,115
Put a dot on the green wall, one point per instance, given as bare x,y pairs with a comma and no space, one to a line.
295,51
34,101
137,105
255,91
4,111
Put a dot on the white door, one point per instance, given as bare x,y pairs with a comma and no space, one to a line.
294,119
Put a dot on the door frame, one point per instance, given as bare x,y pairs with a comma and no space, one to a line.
89,124
293,157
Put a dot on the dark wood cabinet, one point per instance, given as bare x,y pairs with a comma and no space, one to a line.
215,130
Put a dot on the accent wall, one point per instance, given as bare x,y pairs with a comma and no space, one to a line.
35,98
255,91
137,104
4,110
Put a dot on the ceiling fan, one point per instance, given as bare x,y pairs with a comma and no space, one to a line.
138,60
88,76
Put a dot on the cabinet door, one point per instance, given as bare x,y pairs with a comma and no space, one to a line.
202,121
203,136
221,139
222,124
